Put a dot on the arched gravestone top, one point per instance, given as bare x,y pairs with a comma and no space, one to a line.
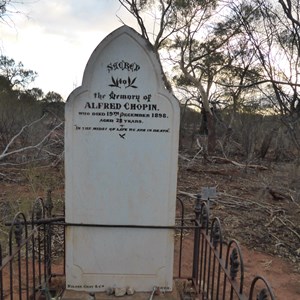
125,41
124,37
121,147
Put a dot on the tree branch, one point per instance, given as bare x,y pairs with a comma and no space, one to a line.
19,133
258,83
4,155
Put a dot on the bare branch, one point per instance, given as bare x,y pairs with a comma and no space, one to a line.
258,83
132,7
287,8
4,155
19,133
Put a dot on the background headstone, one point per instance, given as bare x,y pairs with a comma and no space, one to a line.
208,193
121,147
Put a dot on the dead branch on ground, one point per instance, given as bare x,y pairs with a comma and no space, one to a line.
224,160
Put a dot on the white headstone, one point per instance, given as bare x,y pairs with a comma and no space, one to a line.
121,146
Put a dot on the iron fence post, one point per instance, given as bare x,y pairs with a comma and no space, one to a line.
1,276
49,207
197,211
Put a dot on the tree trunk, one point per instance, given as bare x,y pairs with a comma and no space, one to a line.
211,138
265,145
203,126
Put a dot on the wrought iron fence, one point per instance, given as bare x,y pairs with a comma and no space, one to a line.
25,267
213,269
217,268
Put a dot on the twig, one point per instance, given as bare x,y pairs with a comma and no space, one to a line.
4,176
229,161
272,220
187,194
279,242
183,157
4,232
19,133
293,200
3,155
291,229
269,209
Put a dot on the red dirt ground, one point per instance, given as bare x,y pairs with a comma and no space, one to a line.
267,228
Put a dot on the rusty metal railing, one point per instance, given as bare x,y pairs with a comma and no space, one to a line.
25,270
217,267
214,268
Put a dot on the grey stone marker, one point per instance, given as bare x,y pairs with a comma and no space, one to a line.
121,147
208,193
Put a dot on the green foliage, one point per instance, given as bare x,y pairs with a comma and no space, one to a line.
16,110
20,107
35,93
52,97
188,4
182,80
17,107
5,85
18,76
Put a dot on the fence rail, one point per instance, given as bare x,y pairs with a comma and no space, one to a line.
215,270
217,266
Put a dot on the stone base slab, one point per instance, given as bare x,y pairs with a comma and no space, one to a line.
76,295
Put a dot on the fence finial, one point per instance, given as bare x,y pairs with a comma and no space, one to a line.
18,232
49,203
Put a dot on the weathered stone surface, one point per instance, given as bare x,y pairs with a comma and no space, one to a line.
130,291
110,291
76,295
119,292
121,147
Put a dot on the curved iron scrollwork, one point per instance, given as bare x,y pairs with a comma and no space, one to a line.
234,264
49,204
18,231
265,293
38,210
235,259
216,236
204,216
18,228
